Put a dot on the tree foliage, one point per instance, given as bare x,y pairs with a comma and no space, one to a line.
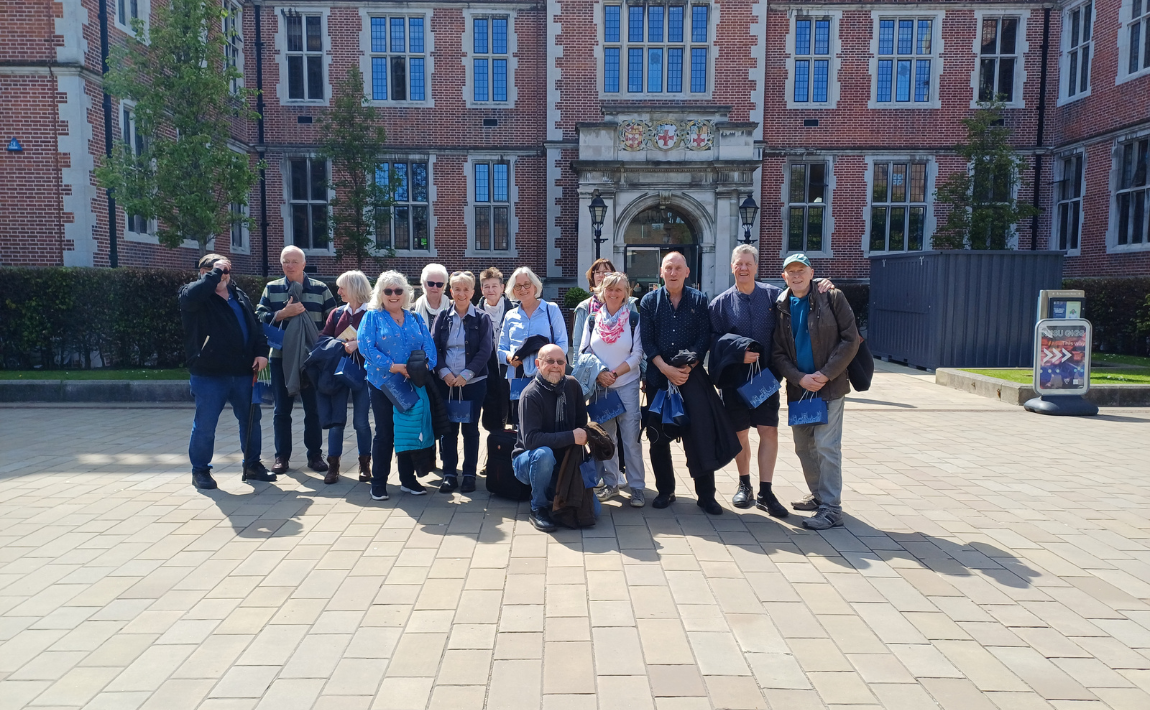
352,138
983,208
182,171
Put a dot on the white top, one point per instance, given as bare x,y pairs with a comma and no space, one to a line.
625,348
422,308
496,314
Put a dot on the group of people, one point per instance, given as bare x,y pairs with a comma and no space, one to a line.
427,369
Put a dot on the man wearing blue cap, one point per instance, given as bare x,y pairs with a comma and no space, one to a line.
815,340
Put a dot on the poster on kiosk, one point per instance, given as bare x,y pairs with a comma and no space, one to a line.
1062,356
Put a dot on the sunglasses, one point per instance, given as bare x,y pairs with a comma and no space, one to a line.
225,272
549,361
392,292
435,284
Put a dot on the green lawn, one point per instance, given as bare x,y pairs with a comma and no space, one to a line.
1105,375
1112,359
176,374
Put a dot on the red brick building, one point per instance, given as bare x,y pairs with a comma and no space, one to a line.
505,118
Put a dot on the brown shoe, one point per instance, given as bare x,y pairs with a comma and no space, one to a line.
281,465
316,463
365,468
332,470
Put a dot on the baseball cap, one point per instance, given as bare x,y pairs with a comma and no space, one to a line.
793,258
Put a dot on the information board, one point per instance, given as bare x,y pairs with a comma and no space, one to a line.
1062,356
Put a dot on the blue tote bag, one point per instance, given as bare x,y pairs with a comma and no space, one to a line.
760,386
807,412
458,410
674,412
605,407
656,406
262,387
517,386
351,373
275,336
400,392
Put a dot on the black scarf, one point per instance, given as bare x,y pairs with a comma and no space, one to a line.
559,389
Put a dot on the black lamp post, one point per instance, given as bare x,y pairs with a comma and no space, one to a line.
598,209
747,212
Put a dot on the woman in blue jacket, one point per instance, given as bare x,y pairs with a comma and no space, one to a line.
388,334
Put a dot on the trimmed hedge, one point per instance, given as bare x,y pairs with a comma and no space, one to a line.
1119,310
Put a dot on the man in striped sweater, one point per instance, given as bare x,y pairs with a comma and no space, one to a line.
276,308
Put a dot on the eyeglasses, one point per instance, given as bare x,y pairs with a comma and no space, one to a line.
549,361
392,292
523,287
435,284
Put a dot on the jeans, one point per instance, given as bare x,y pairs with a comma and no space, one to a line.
820,451
628,426
211,394
281,422
449,442
535,468
384,444
361,404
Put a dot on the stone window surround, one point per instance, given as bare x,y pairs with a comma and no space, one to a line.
1064,56
833,86
286,203
431,198
280,49
238,40
144,7
490,11
937,57
245,233
470,204
1124,22
1021,48
1057,168
929,222
686,95
1112,245
827,251
396,10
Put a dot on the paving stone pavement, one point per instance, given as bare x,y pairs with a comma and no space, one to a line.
991,559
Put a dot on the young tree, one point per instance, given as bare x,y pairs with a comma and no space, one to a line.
983,208
181,170
352,138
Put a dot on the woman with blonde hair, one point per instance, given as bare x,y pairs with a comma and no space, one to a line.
388,335
355,290
531,318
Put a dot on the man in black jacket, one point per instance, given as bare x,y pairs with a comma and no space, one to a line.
225,347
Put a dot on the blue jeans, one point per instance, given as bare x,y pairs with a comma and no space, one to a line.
361,406
281,422
535,468
211,394
474,394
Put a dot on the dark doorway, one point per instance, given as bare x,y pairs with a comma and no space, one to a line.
653,234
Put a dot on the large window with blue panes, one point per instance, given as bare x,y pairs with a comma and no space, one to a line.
655,49
812,59
492,202
405,226
398,56
906,54
489,57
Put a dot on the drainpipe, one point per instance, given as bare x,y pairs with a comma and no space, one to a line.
260,148
1041,127
113,249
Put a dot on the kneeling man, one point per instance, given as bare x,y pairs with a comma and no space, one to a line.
552,414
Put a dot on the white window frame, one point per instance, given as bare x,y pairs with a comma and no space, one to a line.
234,43
366,64
929,222
282,55
469,211
391,159
469,17
1066,51
1058,199
127,121
286,208
1125,25
834,65
936,58
1021,47
624,44
828,200
123,22
1112,245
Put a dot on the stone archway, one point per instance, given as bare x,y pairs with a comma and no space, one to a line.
650,235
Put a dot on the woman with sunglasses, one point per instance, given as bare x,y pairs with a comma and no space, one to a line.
433,280
388,334
463,347
531,317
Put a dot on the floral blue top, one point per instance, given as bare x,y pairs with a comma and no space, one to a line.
383,342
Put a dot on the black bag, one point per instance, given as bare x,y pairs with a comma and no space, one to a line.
861,370
498,471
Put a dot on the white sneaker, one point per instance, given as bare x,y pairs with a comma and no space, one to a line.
607,493
638,500
421,491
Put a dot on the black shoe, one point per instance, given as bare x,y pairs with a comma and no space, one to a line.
744,497
772,505
258,472
203,480
663,500
468,485
449,484
541,519
711,506
317,464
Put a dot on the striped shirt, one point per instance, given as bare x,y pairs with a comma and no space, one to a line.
317,301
